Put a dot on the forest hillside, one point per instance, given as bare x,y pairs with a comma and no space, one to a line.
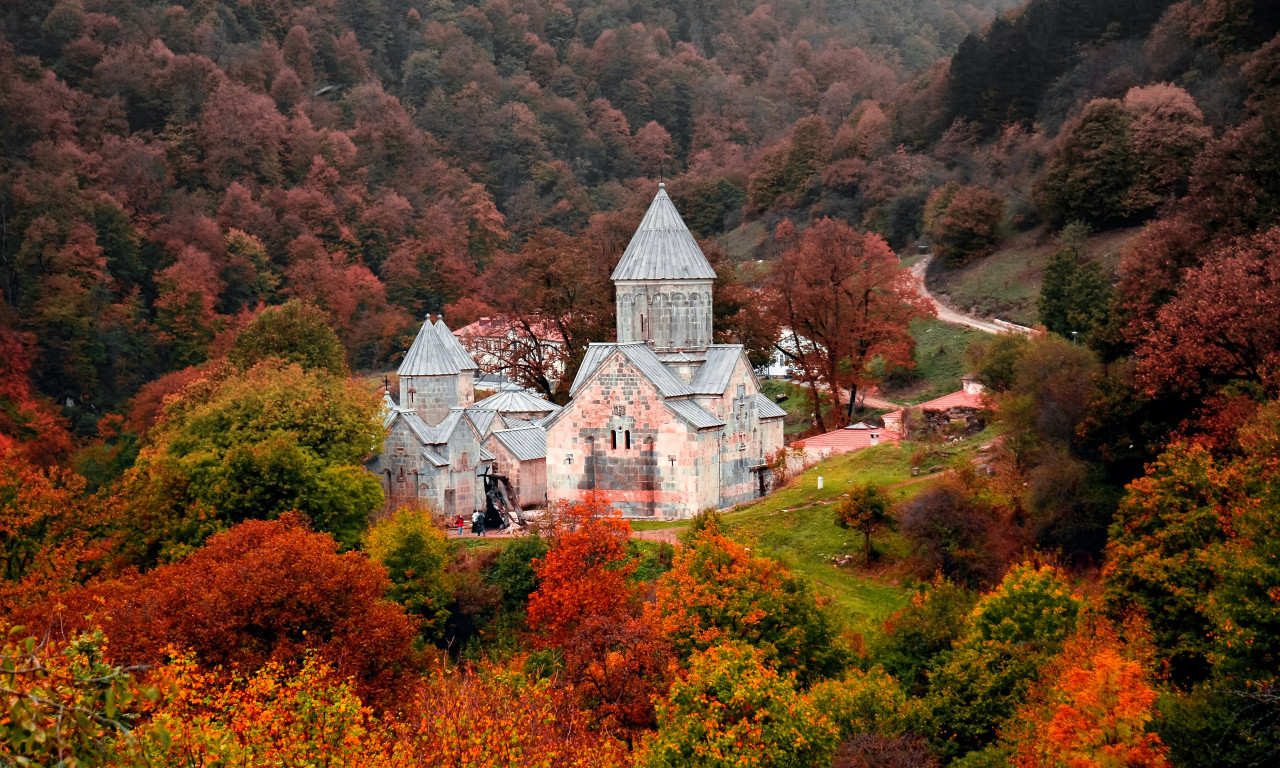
221,221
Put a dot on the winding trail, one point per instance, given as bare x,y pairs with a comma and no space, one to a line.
946,313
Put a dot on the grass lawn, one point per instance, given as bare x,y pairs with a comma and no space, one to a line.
1006,284
939,363
742,244
807,539
799,412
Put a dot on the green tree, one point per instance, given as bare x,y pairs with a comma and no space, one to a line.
1091,167
984,679
64,704
254,445
513,570
866,509
295,332
914,636
734,709
415,552
1159,555
864,702
1075,293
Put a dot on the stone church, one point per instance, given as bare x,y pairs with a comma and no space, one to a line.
663,422
433,451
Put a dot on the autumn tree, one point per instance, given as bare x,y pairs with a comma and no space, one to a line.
271,591
717,591
254,445
964,222
276,713
866,509
586,571
53,535
1119,159
1012,631
845,302
1093,708
555,296
733,706
414,551
1219,326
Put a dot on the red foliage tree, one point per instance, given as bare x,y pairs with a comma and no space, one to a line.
1221,325
268,591
846,302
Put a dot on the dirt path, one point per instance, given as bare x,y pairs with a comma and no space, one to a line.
945,313
661,535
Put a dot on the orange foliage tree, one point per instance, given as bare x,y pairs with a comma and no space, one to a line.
1092,710
52,535
717,591
587,571
615,659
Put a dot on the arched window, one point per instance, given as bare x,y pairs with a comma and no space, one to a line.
628,438
613,439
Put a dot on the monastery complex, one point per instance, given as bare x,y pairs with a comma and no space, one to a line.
664,422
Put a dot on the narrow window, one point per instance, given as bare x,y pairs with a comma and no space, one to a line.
627,433
613,439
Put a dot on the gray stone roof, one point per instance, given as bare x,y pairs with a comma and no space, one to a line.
713,376
517,400
663,248
481,419
437,435
642,357
456,350
697,416
525,443
436,459
767,409
435,352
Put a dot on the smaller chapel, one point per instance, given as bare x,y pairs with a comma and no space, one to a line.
432,453
664,422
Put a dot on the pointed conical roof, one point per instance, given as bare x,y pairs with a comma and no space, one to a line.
435,352
663,248
456,350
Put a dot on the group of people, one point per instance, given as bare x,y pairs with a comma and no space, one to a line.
477,523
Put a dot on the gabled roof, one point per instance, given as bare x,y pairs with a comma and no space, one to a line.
516,400
435,352
961,399
713,377
645,361
485,455
662,247
525,443
846,440
445,429
697,416
426,435
481,419
767,409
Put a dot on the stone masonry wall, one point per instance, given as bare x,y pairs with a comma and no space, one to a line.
671,314
593,430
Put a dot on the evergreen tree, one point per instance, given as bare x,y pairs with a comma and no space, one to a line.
1074,292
